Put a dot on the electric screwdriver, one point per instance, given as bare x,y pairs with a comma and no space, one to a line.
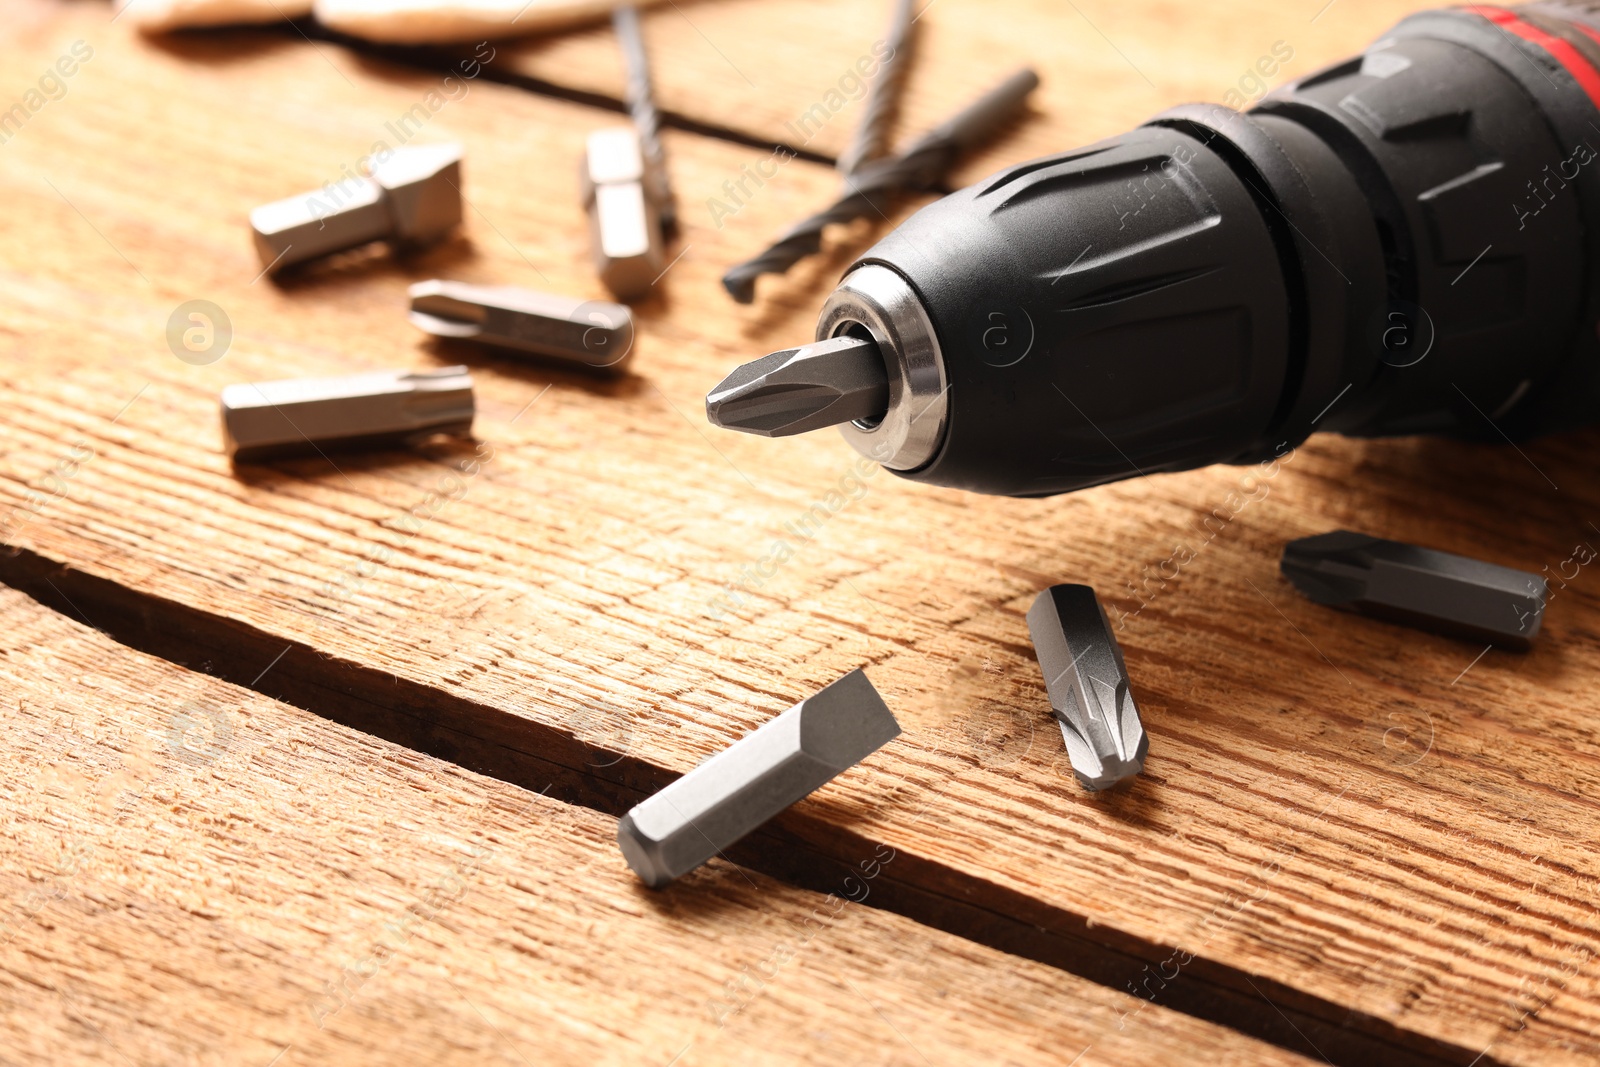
1401,243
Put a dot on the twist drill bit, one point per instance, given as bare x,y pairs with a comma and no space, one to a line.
920,166
741,787
265,420
1420,587
871,138
640,95
800,389
1088,686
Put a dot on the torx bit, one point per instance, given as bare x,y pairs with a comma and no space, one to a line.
412,197
755,778
266,420
871,188
805,388
871,137
1420,587
595,333
1088,686
624,224
640,95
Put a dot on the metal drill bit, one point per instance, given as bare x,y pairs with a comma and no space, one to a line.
624,225
741,787
799,389
1088,686
871,138
640,95
1419,587
411,197
265,420
595,333
920,166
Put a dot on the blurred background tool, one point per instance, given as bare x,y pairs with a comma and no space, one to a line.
593,333
412,198
871,138
646,118
1088,685
391,21
296,416
755,778
874,185
625,233
1421,587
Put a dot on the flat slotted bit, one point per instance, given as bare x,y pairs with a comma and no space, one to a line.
1420,587
755,778
1088,686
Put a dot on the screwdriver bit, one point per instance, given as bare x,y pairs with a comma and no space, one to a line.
265,420
594,333
805,388
741,787
1088,686
412,197
1420,587
624,220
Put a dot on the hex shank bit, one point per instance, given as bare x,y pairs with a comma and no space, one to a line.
594,333
1088,686
411,196
265,420
1420,587
735,791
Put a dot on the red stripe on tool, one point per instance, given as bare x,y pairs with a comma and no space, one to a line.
1563,51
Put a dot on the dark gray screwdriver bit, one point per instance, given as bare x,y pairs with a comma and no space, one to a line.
755,778
1419,587
1088,686
805,388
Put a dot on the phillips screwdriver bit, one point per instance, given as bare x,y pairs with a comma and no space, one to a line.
594,333
411,197
741,787
265,420
805,388
1420,587
1088,686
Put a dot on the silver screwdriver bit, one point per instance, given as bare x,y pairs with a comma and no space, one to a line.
624,221
594,333
755,778
265,420
412,197
799,389
1419,587
1088,686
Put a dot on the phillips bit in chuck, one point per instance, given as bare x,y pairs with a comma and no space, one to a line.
1088,686
806,388
1419,587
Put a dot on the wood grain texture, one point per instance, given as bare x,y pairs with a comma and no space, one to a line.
194,873
757,66
1360,827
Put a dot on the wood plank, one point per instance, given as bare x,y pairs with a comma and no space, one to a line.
192,872
758,66
1337,817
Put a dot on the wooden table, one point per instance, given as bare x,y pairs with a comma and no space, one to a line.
292,779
